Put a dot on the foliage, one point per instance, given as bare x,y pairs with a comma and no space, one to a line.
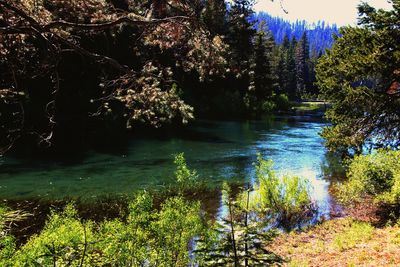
320,33
147,238
172,234
282,102
185,177
240,239
262,73
302,56
7,242
375,174
285,200
104,58
268,106
355,76
63,241
73,68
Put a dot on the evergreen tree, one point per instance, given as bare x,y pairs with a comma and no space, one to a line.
241,33
262,75
302,55
282,65
214,16
360,75
291,70
312,89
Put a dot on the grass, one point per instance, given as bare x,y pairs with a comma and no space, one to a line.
357,233
341,242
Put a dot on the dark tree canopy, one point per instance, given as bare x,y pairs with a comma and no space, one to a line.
66,63
77,72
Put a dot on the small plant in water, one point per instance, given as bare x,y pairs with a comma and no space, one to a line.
185,178
285,200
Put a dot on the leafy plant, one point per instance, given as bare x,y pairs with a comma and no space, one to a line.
146,238
184,177
376,174
282,102
284,199
151,238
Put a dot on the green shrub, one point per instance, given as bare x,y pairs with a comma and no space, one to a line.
63,241
376,174
286,199
268,106
147,238
282,102
7,242
185,178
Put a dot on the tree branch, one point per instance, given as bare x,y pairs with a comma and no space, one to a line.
106,25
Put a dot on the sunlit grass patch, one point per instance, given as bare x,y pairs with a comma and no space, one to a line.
356,233
341,242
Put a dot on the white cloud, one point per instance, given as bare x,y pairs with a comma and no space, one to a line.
341,12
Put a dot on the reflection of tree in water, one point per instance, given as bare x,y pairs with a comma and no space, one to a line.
332,166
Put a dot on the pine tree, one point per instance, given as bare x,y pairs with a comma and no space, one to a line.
360,76
240,33
291,69
282,65
262,74
302,55
215,17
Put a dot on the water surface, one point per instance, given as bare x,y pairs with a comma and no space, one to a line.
218,150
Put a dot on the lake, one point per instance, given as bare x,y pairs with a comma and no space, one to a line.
218,150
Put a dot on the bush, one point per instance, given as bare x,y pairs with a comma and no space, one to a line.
268,106
376,174
285,199
282,102
185,178
147,238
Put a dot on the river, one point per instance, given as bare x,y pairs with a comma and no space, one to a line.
218,150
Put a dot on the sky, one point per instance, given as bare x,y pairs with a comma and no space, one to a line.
341,12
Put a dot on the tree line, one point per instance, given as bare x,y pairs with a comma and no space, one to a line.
320,33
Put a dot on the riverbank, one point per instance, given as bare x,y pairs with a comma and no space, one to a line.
363,236
341,242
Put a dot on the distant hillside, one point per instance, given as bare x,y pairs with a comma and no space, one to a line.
319,34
